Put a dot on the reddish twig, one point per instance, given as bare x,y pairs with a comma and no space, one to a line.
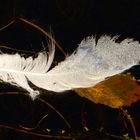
125,126
131,122
18,129
44,32
38,28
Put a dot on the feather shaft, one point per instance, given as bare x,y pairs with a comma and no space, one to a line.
90,64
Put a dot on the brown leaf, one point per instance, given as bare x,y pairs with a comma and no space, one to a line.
117,91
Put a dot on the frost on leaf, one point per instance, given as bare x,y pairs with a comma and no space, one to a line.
119,90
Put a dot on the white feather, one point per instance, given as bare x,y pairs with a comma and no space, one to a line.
90,64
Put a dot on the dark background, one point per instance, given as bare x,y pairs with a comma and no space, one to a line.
71,21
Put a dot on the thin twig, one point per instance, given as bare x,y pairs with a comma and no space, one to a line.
37,125
45,33
83,116
18,129
115,136
9,24
131,122
43,101
18,50
10,93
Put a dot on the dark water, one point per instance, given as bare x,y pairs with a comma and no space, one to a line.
70,21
